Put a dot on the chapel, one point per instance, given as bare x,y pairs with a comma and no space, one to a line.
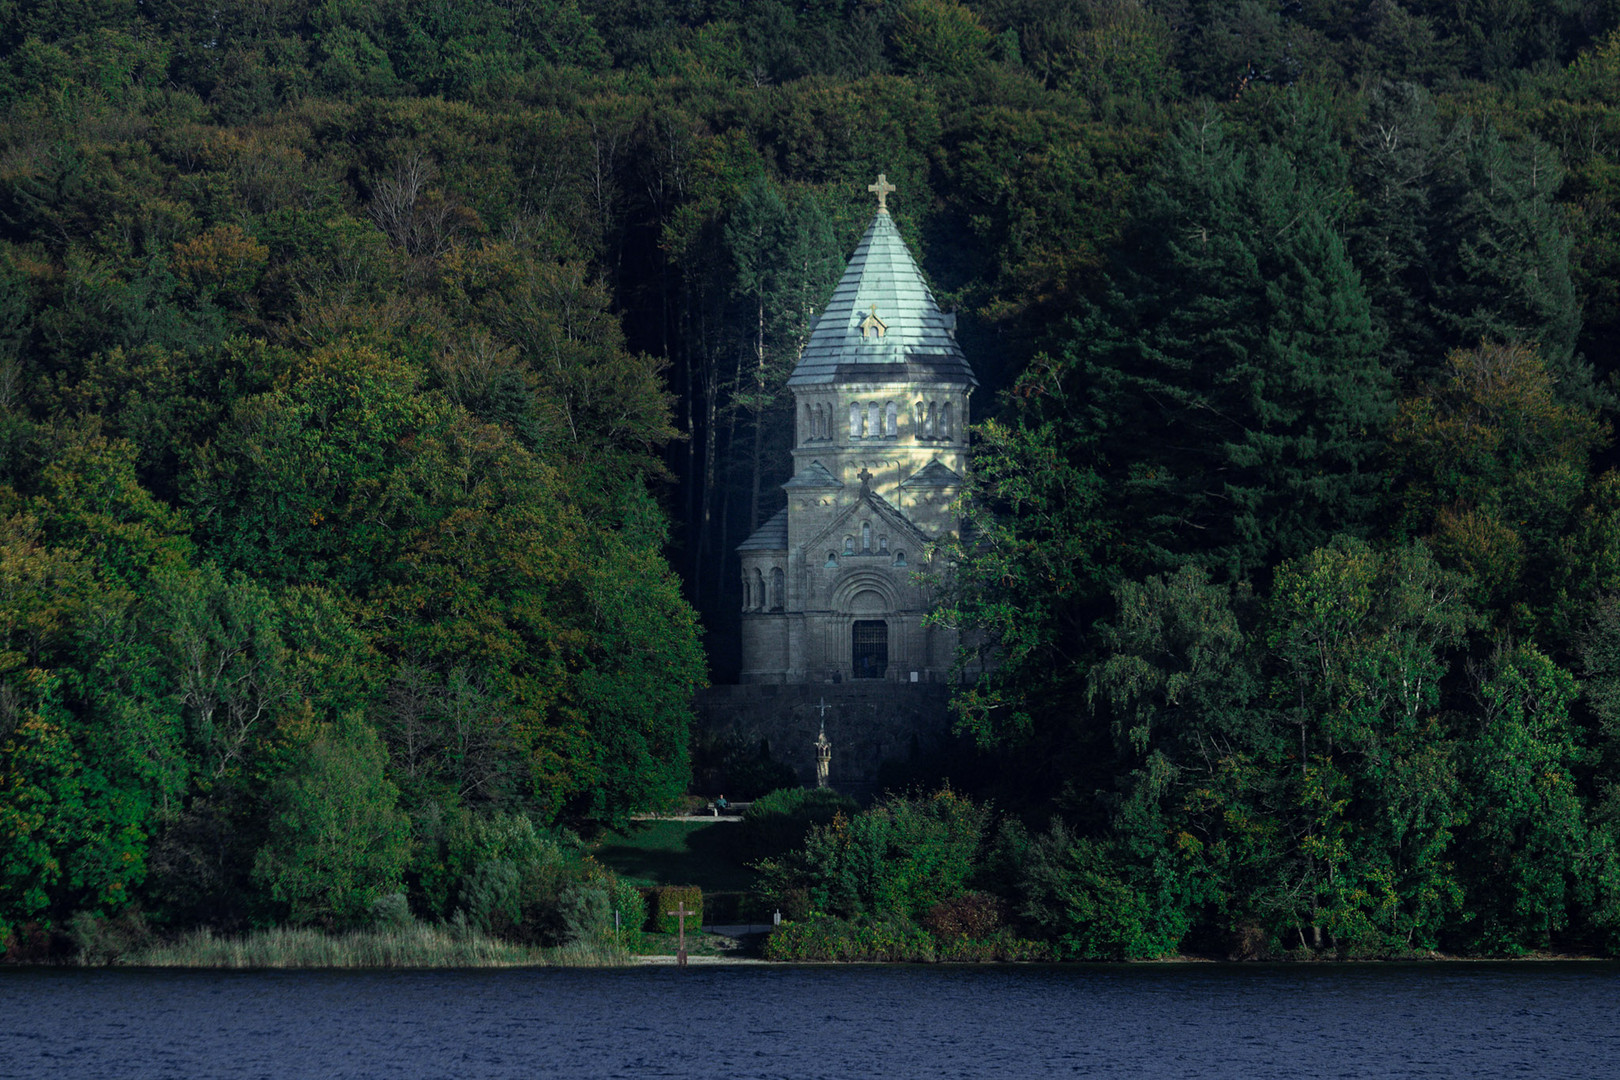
881,390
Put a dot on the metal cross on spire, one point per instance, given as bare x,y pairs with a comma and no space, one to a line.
881,189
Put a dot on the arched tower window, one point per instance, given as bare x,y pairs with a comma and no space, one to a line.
832,561
928,422
854,419
883,545
778,589
891,420
866,536
759,590
849,545
917,420
874,420
899,558
945,421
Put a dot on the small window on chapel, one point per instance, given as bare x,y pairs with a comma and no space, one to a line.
883,545
866,536
899,558
832,560
849,545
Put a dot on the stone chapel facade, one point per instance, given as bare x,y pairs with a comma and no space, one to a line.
881,396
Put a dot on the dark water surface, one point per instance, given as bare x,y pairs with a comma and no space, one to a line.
1181,1020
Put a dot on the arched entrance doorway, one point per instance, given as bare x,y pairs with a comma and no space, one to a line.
869,648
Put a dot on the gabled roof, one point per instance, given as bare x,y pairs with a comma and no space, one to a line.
882,323
935,474
815,475
771,536
878,507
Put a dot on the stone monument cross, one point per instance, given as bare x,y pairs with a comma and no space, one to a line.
866,480
881,189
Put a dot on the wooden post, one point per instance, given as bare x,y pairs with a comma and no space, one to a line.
680,949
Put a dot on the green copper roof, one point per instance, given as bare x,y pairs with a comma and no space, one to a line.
882,323
771,536
935,474
815,475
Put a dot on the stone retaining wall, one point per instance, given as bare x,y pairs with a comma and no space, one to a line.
867,724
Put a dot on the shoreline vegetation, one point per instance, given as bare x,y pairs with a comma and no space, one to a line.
445,948
410,947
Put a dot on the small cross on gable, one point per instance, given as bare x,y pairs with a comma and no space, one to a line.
872,323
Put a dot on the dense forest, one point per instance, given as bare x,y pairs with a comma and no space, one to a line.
384,386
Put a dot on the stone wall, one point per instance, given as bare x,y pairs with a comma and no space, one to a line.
868,722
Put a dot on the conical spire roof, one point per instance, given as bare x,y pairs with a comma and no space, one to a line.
882,323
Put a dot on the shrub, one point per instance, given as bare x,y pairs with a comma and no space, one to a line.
500,875
826,937
667,898
897,859
391,912
587,910
337,839
1076,896
491,898
973,916
1001,946
102,940
780,821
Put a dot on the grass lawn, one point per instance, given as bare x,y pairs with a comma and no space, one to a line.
675,853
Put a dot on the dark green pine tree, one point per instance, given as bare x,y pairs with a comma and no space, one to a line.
1460,239
1505,272
1233,367
1400,152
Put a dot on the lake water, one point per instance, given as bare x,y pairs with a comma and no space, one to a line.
714,1023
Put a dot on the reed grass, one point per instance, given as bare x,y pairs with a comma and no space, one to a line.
420,946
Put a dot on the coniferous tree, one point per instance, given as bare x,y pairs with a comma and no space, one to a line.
1233,367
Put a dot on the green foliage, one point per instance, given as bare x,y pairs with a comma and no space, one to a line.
1030,563
666,900
827,938
1527,832
1072,895
1362,638
1232,372
337,840
1494,465
780,820
897,859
